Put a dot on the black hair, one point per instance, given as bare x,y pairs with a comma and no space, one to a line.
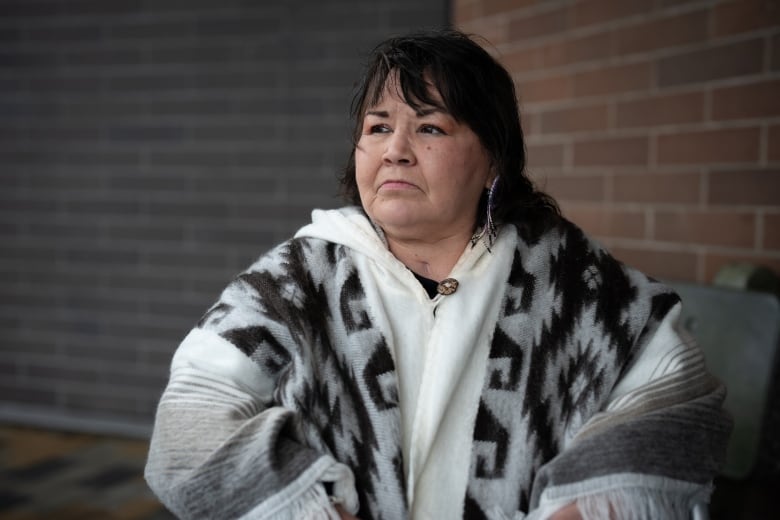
476,90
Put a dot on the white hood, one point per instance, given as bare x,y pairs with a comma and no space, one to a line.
349,226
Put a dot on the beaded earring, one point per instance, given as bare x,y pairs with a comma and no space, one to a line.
488,231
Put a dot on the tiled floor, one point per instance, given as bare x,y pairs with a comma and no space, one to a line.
46,474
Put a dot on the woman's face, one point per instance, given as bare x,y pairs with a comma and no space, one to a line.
419,174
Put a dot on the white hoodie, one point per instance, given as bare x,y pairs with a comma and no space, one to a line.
440,348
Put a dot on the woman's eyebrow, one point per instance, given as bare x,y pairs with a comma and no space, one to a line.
419,113
377,113
431,110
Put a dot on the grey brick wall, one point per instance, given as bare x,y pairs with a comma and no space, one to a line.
150,150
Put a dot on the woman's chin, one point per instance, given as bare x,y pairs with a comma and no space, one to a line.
396,217
398,223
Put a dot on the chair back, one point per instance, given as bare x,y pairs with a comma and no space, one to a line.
739,332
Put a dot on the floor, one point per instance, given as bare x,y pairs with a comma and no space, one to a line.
46,474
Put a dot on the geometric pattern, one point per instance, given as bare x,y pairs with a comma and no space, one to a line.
567,324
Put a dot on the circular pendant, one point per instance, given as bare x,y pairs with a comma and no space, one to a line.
447,286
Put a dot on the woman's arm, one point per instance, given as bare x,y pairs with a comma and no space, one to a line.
656,445
218,451
223,444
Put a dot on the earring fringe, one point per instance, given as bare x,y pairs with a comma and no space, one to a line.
488,231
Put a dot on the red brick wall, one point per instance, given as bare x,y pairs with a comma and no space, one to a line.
655,123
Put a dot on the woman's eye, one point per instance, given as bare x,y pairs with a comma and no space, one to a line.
378,129
431,129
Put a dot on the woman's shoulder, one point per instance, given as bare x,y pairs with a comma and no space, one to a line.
296,255
557,237
573,256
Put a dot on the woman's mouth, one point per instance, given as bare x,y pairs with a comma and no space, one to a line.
397,185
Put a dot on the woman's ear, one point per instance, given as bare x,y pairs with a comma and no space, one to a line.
491,179
492,175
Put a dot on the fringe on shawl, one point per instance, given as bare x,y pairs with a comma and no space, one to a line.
313,503
642,504
626,497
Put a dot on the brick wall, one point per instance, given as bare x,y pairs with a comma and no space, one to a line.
150,149
656,123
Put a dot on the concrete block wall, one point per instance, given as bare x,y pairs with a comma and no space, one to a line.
655,123
150,150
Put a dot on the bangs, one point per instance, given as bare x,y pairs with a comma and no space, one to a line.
415,81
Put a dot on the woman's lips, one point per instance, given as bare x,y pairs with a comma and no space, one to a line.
397,185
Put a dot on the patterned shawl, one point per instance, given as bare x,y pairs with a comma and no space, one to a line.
286,393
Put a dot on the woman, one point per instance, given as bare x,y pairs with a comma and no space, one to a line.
449,346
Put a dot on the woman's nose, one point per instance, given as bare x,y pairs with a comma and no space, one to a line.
399,149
